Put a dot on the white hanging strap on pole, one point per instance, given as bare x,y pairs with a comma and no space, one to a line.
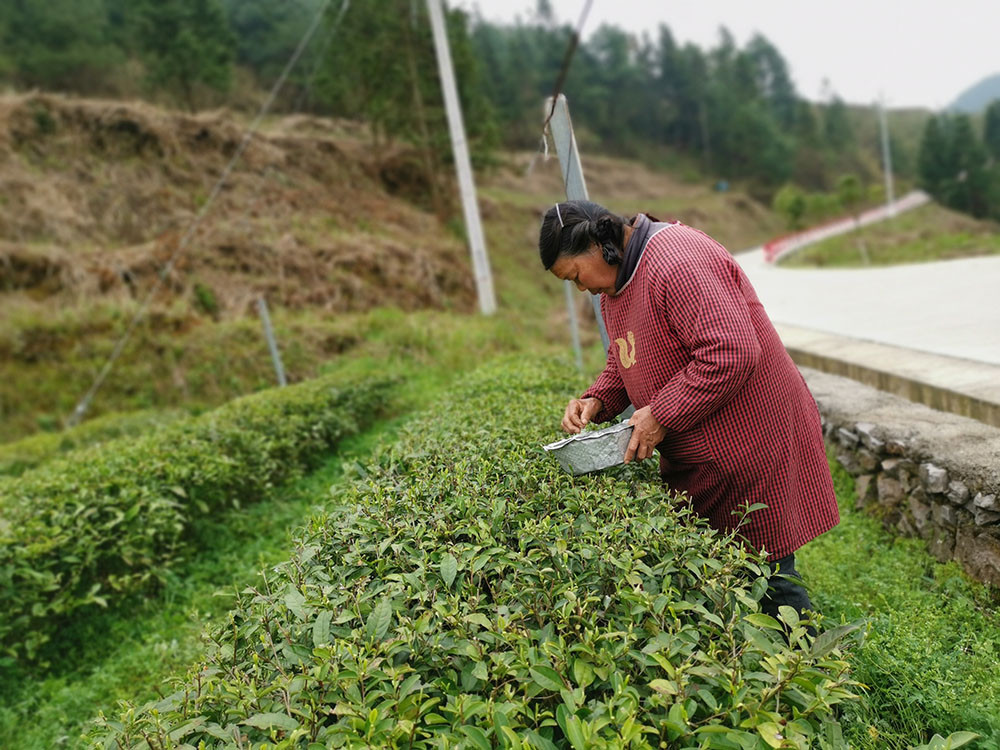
463,167
272,344
561,128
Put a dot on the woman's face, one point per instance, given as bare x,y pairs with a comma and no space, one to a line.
588,271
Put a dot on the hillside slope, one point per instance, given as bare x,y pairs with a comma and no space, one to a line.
95,195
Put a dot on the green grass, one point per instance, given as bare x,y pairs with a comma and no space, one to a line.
930,660
929,233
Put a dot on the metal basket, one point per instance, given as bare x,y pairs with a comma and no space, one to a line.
592,451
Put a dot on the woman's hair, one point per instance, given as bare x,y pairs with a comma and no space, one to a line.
571,227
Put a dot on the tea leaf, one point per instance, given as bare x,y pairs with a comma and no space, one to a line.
449,569
268,720
547,678
379,620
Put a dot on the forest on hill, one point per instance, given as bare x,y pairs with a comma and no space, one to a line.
726,113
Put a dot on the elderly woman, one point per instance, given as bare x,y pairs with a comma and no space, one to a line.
714,389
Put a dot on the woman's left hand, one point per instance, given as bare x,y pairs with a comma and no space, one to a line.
645,437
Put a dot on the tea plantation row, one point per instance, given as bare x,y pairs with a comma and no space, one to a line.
22,455
463,592
109,520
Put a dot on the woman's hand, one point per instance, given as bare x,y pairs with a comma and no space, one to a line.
646,435
579,412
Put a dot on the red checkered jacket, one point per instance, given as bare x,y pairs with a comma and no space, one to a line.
690,339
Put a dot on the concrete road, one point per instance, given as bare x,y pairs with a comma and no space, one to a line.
950,307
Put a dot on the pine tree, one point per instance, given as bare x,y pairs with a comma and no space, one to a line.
57,44
837,128
991,130
934,161
382,68
185,44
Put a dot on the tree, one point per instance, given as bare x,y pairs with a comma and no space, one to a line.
953,166
267,32
935,165
185,44
970,188
849,193
58,44
991,130
790,202
383,69
773,81
837,128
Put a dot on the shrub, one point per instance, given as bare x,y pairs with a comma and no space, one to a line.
465,593
110,520
24,454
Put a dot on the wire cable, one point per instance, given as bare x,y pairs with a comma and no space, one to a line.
84,403
574,42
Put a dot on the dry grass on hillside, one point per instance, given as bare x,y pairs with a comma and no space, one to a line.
733,218
97,194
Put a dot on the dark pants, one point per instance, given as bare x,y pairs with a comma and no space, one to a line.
783,588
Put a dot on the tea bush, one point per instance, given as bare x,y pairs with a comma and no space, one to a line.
21,455
109,520
463,592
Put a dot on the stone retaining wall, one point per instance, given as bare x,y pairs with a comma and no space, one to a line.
923,473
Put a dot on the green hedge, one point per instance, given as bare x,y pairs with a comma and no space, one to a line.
109,520
463,592
24,454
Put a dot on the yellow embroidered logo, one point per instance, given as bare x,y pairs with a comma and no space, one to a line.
626,352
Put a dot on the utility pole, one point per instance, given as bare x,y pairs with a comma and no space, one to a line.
890,198
272,344
561,128
463,167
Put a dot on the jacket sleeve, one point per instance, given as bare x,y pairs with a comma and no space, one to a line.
609,388
708,312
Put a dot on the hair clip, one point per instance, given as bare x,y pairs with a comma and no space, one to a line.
560,216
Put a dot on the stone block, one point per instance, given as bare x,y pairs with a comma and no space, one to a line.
865,487
866,433
979,554
847,438
920,511
945,515
958,493
849,460
896,447
941,543
894,467
986,502
905,525
935,478
890,491
867,460
985,517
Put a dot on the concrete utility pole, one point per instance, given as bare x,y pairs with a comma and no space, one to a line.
272,344
890,198
561,128
463,167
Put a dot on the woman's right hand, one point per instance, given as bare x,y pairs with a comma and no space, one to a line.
579,412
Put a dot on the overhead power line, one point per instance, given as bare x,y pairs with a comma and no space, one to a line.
84,403
571,45
574,42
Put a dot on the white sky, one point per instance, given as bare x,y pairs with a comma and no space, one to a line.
918,52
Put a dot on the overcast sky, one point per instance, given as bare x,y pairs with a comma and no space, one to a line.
919,52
